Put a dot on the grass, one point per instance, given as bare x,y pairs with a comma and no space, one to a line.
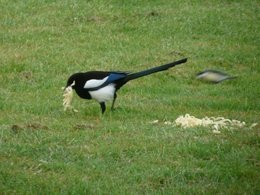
46,151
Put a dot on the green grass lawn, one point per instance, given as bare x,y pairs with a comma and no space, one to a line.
44,150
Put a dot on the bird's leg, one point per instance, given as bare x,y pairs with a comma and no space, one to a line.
113,103
103,107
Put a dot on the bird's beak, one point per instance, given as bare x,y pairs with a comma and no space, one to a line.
71,85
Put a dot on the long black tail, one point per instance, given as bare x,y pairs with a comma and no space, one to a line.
153,70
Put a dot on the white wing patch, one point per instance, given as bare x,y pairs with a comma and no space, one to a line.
104,94
94,83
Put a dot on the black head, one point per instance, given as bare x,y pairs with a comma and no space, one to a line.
74,80
77,82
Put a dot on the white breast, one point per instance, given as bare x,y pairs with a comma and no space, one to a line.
104,94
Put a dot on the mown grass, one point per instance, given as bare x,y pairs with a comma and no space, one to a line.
46,151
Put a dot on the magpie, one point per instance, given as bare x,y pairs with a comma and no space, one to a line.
103,85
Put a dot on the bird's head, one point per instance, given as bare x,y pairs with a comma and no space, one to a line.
76,81
71,82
